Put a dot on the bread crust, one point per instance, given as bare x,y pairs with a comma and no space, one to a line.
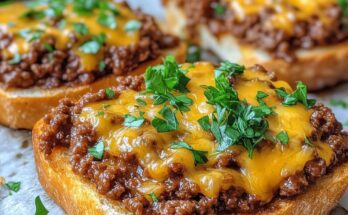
77,196
22,108
318,68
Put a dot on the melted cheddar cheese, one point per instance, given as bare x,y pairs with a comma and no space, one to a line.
12,22
286,12
260,175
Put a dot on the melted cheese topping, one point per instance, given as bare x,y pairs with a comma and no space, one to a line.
12,22
260,176
287,12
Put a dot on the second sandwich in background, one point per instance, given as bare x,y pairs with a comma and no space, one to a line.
298,40
56,49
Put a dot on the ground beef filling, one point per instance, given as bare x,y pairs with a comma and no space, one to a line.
117,177
40,67
251,30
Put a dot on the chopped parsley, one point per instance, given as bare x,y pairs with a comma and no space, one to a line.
48,47
162,81
235,122
16,59
168,123
344,6
298,96
102,66
153,197
199,156
132,121
100,113
33,14
13,186
109,93
219,9
97,151
107,20
80,28
204,123
40,208
193,54
62,23
93,46
141,102
31,35
308,142
283,137
132,25
339,103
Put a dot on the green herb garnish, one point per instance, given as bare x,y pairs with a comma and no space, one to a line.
81,29
33,14
308,142
16,59
344,6
48,47
13,186
132,25
102,66
219,9
40,208
132,121
169,121
97,151
339,103
204,123
141,102
109,93
153,197
199,156
298,96
193,54
93,46
283,137
107,20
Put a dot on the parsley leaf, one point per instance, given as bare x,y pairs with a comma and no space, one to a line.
298,96
33,14
93,46
219,9
199,156
283,137
164,79
308,142
97,151
141,102
193,54
16,59
132,25
169,121
109,93
13,186
204,123
80,28
132,121
107,20
339,103
40,208
48,47
153,197
344,6
102,66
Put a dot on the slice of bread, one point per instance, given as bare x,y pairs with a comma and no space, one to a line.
318,67
21,108
77,196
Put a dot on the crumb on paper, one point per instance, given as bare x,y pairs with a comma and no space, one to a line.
2,181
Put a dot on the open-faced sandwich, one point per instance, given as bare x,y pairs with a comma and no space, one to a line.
193,139
298,40
55,49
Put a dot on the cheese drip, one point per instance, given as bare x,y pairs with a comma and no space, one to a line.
260,176
287,12
12,22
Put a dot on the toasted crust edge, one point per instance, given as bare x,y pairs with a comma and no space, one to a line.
22,108
318,67
77,196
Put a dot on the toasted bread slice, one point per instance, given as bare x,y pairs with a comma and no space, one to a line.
77,196
317,67
21,108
